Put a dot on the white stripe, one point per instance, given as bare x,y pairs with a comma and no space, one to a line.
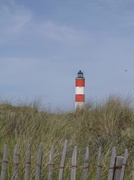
79,90
79,105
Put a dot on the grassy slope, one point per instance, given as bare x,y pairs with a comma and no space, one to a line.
107,125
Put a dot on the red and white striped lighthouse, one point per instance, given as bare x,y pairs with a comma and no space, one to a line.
79,90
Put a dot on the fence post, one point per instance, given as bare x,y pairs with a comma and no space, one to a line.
62,164
117,168
99,165
16,163
86,164
133,169
73,171
124,164
39,163
112,164
4,163
51,163
28,163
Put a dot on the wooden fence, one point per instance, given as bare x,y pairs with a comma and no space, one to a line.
116,168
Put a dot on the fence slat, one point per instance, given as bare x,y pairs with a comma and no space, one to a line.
28,163
73,170
62,164
117,168
124,164
39,163
16,163
112,164
51,164
99,165
133,169
4,163
86,164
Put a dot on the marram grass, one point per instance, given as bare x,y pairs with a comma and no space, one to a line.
107,125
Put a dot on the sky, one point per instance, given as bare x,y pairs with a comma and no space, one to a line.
44,43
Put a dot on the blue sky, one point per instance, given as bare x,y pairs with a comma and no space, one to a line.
43,44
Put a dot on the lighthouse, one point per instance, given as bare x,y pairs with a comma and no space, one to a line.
79,90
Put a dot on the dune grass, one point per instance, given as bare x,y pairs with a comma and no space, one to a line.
108,124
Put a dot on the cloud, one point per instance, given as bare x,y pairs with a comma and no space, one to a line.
13,20
60,33
18,21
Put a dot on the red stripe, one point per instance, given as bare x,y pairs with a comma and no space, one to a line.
79,98
80,82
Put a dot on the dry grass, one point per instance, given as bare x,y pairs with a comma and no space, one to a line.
108,124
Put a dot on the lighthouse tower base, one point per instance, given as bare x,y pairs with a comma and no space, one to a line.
79,105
